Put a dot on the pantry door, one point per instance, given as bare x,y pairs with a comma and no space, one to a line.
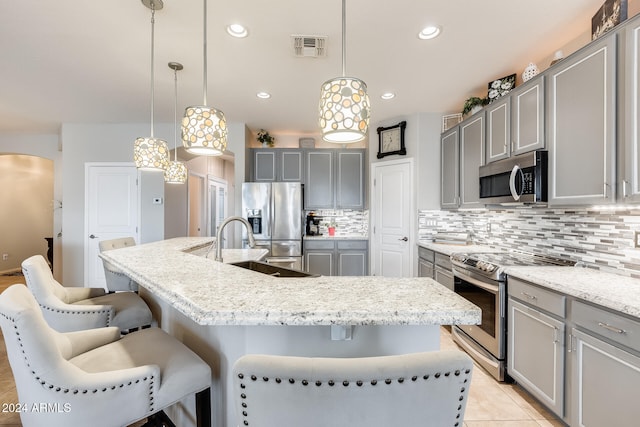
392,218
111,207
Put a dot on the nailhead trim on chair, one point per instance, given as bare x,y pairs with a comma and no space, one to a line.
53,387
359,383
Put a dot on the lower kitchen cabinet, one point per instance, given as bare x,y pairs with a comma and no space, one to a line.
337,257
605,367
536,354
580,360
426,258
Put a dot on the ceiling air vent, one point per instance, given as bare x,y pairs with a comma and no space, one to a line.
309,46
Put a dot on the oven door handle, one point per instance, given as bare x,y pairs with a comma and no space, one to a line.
479,283
512,182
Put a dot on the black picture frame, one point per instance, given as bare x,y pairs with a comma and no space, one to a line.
608,16
399,128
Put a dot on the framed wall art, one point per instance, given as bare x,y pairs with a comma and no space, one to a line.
500,87
608,16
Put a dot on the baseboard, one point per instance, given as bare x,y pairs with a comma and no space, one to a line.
10,272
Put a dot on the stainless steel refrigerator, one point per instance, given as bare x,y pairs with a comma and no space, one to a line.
274,211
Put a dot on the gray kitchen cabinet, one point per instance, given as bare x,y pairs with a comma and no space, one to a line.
335,179
527,117
472,143
605,367
581,125
350,182
629,110
498,129
443,273
535,342
320,180
352,257
277,165
337,257
450,168
426,258
319,257
461,154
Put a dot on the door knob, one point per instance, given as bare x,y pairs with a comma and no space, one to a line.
404,239
93,237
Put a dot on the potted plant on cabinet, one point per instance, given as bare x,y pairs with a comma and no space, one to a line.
473,105
265,139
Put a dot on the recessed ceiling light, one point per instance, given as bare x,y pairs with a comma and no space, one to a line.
429,32
237,30
388,95
263,95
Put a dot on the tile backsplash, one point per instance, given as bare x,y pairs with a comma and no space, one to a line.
348,222
600,238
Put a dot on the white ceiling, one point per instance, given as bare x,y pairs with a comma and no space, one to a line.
88,61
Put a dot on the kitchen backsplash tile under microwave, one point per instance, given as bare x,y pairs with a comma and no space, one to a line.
601,238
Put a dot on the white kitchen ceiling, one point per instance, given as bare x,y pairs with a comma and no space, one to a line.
88,61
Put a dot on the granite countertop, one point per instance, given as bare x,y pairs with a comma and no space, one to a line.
213,293
612,291
337,237
449,249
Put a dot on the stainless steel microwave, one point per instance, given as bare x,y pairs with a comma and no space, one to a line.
518,179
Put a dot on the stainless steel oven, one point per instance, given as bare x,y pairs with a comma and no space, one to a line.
480,278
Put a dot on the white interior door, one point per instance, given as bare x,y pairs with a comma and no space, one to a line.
111,206
217,195
392,218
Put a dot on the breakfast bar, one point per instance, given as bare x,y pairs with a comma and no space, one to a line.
222,311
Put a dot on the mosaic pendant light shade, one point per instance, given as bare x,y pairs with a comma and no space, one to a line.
344,110
176,172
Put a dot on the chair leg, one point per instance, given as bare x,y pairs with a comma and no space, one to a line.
203,408
159,419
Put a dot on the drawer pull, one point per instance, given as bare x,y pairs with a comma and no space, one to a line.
533,297
611,328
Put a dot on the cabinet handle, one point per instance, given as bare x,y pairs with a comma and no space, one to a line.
555,335
611,328
624,188
532,297
570,349
606,190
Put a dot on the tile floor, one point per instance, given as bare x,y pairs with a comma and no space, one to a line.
491,404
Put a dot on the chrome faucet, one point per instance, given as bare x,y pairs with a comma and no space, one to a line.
252,240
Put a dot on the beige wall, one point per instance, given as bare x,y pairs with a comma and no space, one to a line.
26,208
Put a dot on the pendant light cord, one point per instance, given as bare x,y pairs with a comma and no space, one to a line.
153,21
204,56
175,114
344,38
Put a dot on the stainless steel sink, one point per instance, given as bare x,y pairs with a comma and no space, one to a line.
271,270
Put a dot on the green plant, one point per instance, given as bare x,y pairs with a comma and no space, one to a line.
473,102
265,138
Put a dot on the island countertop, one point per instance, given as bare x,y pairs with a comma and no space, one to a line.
214,293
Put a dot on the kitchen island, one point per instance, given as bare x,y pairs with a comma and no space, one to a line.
222,311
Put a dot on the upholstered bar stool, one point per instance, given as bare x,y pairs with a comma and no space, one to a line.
116,279
94,377
417,389
72,309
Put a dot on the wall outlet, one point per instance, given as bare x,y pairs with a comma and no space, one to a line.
488,227
5,257
636,239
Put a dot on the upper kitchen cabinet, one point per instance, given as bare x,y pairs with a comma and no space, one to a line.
335,179
277,165
581,118
450,168
527,117
499,129
629,113
462,154
350,180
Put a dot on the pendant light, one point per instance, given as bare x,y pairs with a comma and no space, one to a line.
151,153
344,103
204,129
176,172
